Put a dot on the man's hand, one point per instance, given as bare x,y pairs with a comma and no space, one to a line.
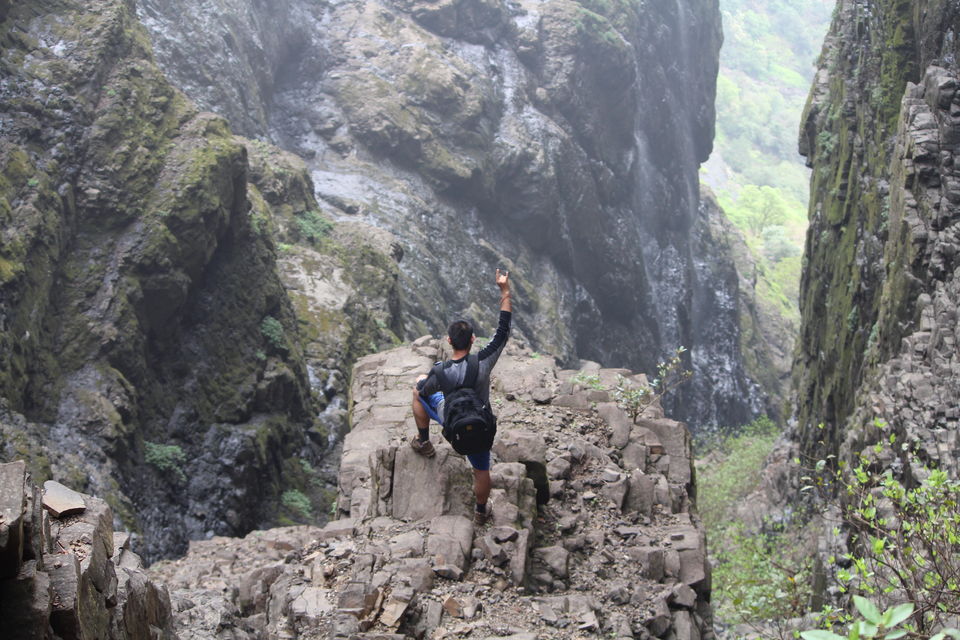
503,281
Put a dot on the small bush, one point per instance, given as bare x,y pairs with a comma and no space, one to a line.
166,457
313,227
272,330
299,503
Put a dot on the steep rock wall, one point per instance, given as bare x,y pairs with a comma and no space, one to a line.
559,139
878,297
149,351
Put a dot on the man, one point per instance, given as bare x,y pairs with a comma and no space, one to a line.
428,398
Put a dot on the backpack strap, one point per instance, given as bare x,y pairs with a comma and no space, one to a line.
469,378
473,370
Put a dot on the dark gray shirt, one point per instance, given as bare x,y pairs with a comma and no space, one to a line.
456,371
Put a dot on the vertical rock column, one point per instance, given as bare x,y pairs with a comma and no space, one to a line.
61,573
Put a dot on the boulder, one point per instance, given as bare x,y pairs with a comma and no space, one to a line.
450,540
13,482
424,488
61,501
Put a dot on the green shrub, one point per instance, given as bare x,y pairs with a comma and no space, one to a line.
297,502
313,227
272,330
903,536
752,577
165,457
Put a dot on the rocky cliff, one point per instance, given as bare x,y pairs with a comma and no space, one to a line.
560,140
593,531
879,293
64,573
172,303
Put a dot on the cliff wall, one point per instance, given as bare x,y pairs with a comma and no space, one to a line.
879,292
560,140
149,350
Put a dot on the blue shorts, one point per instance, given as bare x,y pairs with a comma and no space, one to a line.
434,406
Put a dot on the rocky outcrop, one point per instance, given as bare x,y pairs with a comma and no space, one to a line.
65,574
593,528
149,350
880,291
559,140
876,335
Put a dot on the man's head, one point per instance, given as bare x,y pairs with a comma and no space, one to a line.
460,334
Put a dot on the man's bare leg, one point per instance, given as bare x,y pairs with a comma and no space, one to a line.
481,486
420,443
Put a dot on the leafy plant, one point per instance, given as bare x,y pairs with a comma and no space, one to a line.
298,502
634,398
312,226
165,457
588,381
874,624
272,330
903,536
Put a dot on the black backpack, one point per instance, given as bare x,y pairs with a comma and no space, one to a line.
468,424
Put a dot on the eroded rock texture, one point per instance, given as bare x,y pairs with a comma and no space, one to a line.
593,528
149,351
880,291
70,576
558,139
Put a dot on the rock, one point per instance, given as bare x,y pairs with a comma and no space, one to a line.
559,468
513,445
13,480
652,560
407,544
683,596
504,534
396,606
343,528
312,604
641,492
357,599
615,492
26,604
684,626
448,571
620,424
61,501
555,558
431,487
660,620
450,540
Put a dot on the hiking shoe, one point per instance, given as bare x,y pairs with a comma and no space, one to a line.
480,519
424,448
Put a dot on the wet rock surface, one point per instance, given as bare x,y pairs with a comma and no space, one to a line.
579,564
558,139
71,576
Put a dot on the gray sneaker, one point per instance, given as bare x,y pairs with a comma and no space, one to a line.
423,448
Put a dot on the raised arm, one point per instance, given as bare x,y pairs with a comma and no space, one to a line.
503,281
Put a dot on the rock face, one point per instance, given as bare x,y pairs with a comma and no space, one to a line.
880,291
611,546
71,577
150,351
557,139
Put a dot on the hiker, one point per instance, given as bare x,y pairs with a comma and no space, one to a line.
450,376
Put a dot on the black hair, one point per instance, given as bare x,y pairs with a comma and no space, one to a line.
460,333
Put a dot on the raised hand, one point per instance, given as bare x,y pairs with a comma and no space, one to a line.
503,280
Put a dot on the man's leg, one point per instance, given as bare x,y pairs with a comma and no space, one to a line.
481,485
421,443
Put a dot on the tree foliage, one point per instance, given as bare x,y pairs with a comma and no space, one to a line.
903,536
